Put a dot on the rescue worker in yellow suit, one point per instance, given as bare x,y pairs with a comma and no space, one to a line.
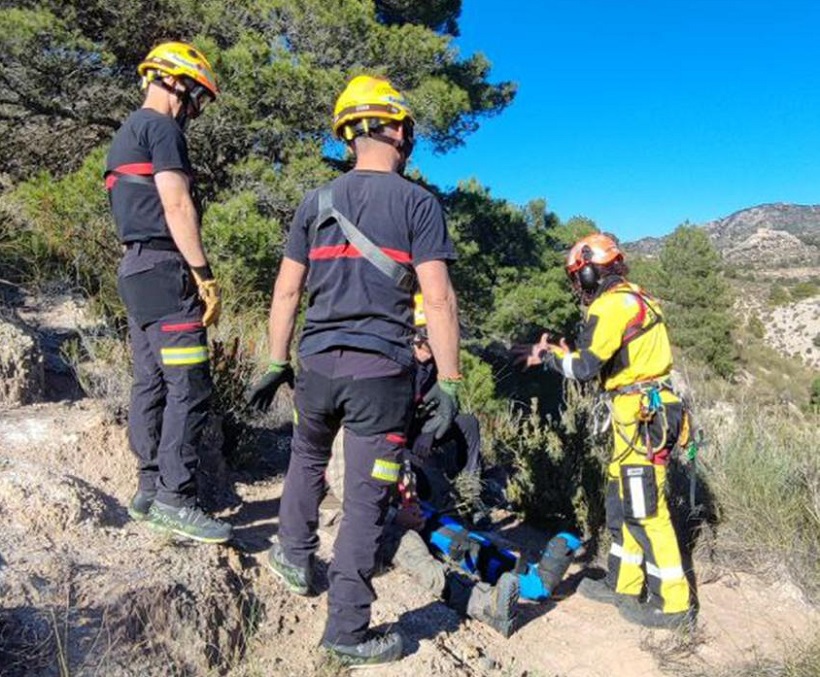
624,341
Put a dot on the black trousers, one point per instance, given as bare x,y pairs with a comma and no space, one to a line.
172,382
372,396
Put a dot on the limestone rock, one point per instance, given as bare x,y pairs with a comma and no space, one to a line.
21,363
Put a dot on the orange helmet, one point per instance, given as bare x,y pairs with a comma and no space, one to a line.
597,248
585,260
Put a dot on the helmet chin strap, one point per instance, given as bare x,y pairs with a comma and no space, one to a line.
184,97
403,146
182,117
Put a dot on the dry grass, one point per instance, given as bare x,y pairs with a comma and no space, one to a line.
801,659
766,480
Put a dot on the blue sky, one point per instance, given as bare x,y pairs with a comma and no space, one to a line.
642,114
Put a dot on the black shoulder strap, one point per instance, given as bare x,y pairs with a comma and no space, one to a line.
400,274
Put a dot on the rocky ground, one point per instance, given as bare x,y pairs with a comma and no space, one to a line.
86,591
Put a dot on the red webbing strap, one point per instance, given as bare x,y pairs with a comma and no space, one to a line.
133,169
635,327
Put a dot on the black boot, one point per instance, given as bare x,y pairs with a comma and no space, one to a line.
377,648
495,605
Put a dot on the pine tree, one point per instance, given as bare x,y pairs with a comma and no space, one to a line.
697,298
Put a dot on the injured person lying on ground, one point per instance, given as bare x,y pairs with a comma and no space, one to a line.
463,567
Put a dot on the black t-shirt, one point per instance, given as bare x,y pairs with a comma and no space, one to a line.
148,142
351,303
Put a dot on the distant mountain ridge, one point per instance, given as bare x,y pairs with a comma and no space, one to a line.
789,232
769,250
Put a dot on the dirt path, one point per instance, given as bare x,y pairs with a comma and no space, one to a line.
83,586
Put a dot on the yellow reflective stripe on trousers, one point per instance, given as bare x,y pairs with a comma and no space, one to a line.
173,357
386,470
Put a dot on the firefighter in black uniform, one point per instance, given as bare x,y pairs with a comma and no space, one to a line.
168,289
356,361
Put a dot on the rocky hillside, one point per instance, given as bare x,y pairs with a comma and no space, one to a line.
86,591
791,232
772,255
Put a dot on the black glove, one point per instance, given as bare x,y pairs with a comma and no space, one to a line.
261,394
441,404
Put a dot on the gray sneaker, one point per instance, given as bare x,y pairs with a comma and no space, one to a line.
598,590
189,522
650,616
140,505
377,649
298,580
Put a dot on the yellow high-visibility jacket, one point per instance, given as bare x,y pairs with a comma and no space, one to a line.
623,339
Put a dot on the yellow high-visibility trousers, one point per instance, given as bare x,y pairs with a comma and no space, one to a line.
644,549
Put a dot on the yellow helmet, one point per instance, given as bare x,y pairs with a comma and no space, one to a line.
367,98
180,60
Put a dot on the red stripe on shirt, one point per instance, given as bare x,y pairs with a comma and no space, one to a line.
133,169
141,168
182,326
348,251
395,438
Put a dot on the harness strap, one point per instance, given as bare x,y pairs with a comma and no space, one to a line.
401,275
635,327
135,172
662,383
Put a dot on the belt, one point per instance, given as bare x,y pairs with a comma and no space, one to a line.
156,243
642,386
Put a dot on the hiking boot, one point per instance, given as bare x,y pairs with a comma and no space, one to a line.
598,590
378,648
650,616
298,580
189,522
496,605
140,505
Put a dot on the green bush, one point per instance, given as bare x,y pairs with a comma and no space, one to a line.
804,290
756,327
779,295
814,398
556,469
478,389
244,249
65,231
